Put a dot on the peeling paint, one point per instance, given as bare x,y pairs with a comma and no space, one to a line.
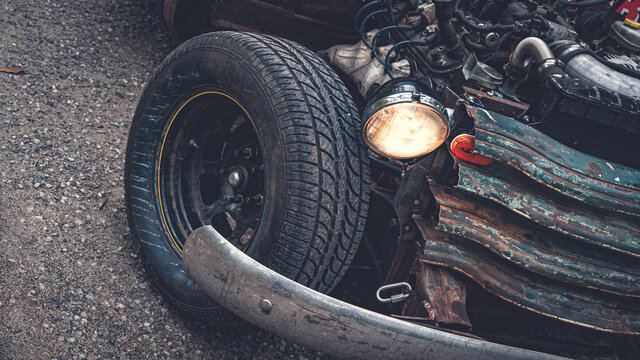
544,226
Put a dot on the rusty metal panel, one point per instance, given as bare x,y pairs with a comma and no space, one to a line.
447,296
439,296
576,305
315,24
545,226
608,229
533,248
583,177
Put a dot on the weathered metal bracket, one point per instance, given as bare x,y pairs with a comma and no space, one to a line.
603,228
506,280
581,176
533,248
544,226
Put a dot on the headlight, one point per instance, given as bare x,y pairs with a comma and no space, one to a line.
404,120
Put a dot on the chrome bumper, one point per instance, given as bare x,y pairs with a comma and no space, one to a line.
269,300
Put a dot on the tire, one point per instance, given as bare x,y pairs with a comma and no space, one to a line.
315,171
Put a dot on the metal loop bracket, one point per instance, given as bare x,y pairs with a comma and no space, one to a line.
402,296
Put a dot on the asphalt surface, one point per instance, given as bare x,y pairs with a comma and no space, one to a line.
71,284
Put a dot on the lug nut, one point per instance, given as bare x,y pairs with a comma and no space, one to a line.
235,178
257,199
193,145
236,199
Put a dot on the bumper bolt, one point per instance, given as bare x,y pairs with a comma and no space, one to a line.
266,305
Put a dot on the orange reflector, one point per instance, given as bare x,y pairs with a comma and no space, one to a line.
462,148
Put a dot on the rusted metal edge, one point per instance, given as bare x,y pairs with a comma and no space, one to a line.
534,248
275,303
293,20
286,14
602,228
588,165
168,12
554,299
564,178
439,295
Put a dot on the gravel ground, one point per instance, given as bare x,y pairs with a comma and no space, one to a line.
71,285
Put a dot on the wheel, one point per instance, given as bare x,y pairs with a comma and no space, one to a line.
258,137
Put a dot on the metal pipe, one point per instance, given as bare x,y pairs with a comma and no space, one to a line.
588,68
531,48
275,303
582,63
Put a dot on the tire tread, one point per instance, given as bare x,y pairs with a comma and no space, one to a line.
326,163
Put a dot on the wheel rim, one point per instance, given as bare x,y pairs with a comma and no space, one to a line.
211,170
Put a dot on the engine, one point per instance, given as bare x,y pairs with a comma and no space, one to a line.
569,68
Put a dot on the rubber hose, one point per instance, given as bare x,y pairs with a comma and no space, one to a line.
407,27
582,3
361,11
364,23
428,41
474,46
457,10
443,14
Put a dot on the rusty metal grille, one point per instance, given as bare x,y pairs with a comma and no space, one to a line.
546,227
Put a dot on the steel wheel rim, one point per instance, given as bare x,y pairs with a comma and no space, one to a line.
210,170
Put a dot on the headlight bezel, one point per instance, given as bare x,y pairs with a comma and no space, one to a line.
403,91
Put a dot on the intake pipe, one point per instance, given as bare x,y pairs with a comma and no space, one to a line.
581,63
530,50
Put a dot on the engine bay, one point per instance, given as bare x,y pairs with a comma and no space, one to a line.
569,69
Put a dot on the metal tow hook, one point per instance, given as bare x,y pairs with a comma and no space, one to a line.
402,296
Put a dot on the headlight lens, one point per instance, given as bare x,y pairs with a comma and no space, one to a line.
406,130
404,125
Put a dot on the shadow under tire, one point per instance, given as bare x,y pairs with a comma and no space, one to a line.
298,149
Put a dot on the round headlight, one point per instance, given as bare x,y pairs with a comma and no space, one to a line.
405,121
